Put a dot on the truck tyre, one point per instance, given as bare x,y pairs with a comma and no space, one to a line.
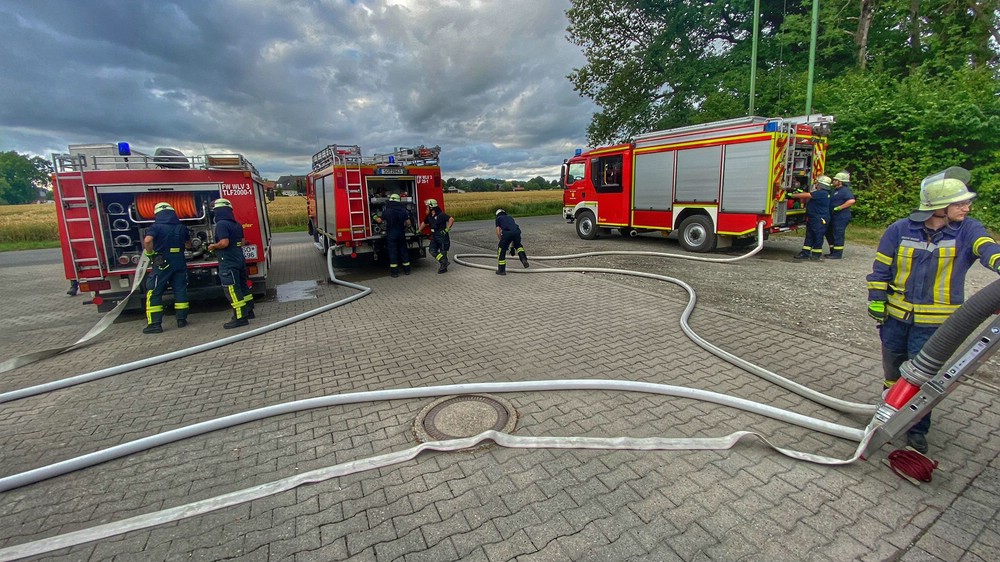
586,225
697,235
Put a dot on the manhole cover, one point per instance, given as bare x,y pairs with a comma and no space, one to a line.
453,417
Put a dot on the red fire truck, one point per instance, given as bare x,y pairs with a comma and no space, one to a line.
712,183
105,194
346,190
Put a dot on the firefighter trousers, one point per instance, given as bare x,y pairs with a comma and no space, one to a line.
173,276
836,232
234,285
902,341
395,247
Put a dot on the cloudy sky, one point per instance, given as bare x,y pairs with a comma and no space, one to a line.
277,80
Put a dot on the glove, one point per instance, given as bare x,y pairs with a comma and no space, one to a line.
876,309
149,254
836,209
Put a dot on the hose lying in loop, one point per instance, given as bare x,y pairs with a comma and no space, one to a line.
238,497
805,392
145,443
117,370
102,324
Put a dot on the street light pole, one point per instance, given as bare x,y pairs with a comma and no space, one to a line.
753,54
812,57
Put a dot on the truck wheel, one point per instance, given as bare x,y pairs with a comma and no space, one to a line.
586,226
697,235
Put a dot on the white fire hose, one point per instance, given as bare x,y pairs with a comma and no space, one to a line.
502,439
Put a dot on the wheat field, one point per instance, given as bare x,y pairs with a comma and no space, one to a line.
20,224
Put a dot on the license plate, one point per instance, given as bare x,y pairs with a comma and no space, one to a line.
250,252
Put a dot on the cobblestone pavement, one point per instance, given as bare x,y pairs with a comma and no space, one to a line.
491,504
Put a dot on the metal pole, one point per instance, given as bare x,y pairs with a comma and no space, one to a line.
753,55
812,58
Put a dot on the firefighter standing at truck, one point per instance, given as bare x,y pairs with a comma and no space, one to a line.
918,277
817,217
440,224
164,245
509,235
396,219
841,200
228,246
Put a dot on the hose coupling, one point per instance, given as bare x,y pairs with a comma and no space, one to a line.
914,374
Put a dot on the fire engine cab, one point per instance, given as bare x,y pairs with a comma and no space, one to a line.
712,183
105,195
346,191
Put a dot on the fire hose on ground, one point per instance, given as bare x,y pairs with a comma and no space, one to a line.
947,343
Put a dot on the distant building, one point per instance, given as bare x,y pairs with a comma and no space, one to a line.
291,185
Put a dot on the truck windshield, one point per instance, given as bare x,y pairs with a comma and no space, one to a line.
574,172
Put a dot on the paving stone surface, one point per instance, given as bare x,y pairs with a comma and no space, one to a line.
493,503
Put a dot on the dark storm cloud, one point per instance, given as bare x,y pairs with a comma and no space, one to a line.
278,80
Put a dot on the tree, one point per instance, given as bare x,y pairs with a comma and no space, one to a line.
912,83
21,177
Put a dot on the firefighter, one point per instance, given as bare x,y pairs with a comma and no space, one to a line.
918,277
228,246
440,224
817,217
164,245
396,220
840,214
509,235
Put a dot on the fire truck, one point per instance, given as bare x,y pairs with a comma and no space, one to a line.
346,191
105,195
711,183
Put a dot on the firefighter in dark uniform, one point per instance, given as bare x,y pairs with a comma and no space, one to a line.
164,244
509,235
817,217
841,200
440,224
228,246
396,219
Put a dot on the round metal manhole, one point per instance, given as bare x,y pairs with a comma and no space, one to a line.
453,417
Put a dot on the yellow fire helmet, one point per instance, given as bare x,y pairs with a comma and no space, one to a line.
942,189
394,197
824,180
842,177
222,203
162,206
432,203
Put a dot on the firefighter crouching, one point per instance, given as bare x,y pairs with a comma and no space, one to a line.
509,235
817,218
440,224
228,246
164,245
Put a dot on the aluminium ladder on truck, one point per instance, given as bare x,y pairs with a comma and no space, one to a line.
75,215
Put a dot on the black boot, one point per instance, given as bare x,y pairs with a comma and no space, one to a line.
502,269
803,255
394,272
524,259
236,323
154,328
182,322
443,268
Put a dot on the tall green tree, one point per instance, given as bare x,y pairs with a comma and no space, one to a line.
913,84
21,177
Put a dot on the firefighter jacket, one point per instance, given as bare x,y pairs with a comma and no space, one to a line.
818,207
226,226
920,273
506,223
169,238
394,216
839,197
438,221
